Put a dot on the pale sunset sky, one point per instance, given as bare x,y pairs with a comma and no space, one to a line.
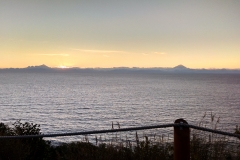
129,33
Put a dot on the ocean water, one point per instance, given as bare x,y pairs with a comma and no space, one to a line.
70,102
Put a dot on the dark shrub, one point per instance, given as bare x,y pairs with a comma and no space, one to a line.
21,149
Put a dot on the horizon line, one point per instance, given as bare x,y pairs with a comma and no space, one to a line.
72,67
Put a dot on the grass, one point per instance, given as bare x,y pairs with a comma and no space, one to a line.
202,146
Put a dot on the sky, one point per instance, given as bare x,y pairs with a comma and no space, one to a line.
126,33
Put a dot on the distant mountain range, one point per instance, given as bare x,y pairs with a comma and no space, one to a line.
177,69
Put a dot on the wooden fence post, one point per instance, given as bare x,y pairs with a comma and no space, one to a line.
181,141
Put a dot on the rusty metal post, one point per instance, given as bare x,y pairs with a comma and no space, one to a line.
181,141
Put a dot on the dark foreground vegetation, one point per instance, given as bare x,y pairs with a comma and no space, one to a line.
202,148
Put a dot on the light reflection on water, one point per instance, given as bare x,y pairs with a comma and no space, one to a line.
82,102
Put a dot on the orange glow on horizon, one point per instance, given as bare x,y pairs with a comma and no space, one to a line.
63,67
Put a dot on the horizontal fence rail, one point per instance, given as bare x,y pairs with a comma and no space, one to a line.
181,140
122,130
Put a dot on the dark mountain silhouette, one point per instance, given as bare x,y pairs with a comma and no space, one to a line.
177,69
180,67
43,66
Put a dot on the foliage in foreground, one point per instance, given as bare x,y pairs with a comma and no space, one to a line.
37,148
82,150
21,149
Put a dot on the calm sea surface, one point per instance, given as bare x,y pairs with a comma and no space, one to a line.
67,102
